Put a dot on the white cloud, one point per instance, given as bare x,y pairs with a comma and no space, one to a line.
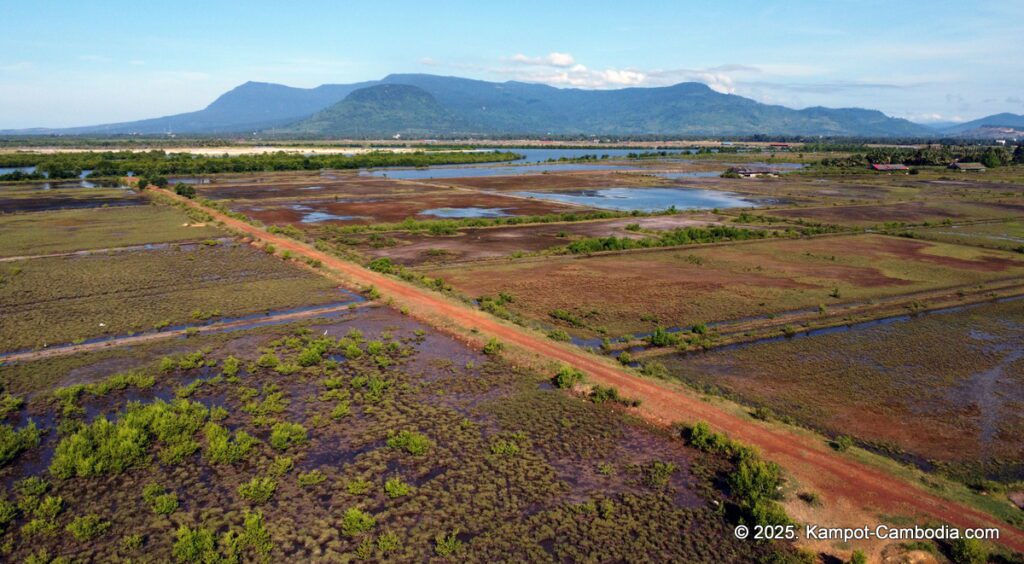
553,59
933,117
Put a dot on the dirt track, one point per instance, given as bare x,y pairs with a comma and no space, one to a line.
852,488
149,337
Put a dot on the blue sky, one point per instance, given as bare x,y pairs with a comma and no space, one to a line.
68,63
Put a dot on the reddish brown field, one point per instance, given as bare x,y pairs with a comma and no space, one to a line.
907,212
632,292
396,208
312,187
492,242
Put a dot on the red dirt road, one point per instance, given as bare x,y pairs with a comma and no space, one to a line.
845,484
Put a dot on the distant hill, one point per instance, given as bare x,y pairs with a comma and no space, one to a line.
429,105
253,106
380,109
1004,120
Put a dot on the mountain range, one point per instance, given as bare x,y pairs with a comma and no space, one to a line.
421,105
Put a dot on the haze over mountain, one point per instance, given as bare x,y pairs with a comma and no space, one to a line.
993,121
428,105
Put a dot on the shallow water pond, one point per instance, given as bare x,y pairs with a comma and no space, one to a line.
646,199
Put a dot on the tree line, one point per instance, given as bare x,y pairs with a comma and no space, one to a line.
156,162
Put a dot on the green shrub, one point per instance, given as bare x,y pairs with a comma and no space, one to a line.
9,404
259,489
281,466
88,527
858,557
131,543
446,545
503,447
355,522
358,486
395,487
968,551
230,366
412,442
388,542
657,474
165,504
15,441
559,335
567,377
493,347
601,394
662,338
285,435
654,369
842,443
311,478
195,545
103,447
255,534
8,513
268,360
222,449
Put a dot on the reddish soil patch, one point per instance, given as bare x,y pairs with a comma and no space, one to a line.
313,187
906,212
884,247
396,209
491,242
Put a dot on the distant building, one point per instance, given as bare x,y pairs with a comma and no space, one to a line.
889,167
779,145
968,167
754,171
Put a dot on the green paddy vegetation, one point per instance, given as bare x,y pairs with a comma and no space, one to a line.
64,299
1007,235
440,452
84,229
628,293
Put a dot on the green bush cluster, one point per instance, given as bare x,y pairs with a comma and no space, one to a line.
15,441
88,527
671,238
285,435
221,448
395,487
159,500
355,522
258,490
105,447
567,377
412,442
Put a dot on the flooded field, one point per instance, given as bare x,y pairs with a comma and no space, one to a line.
385,440
645,199
30,199
395,208
944,390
